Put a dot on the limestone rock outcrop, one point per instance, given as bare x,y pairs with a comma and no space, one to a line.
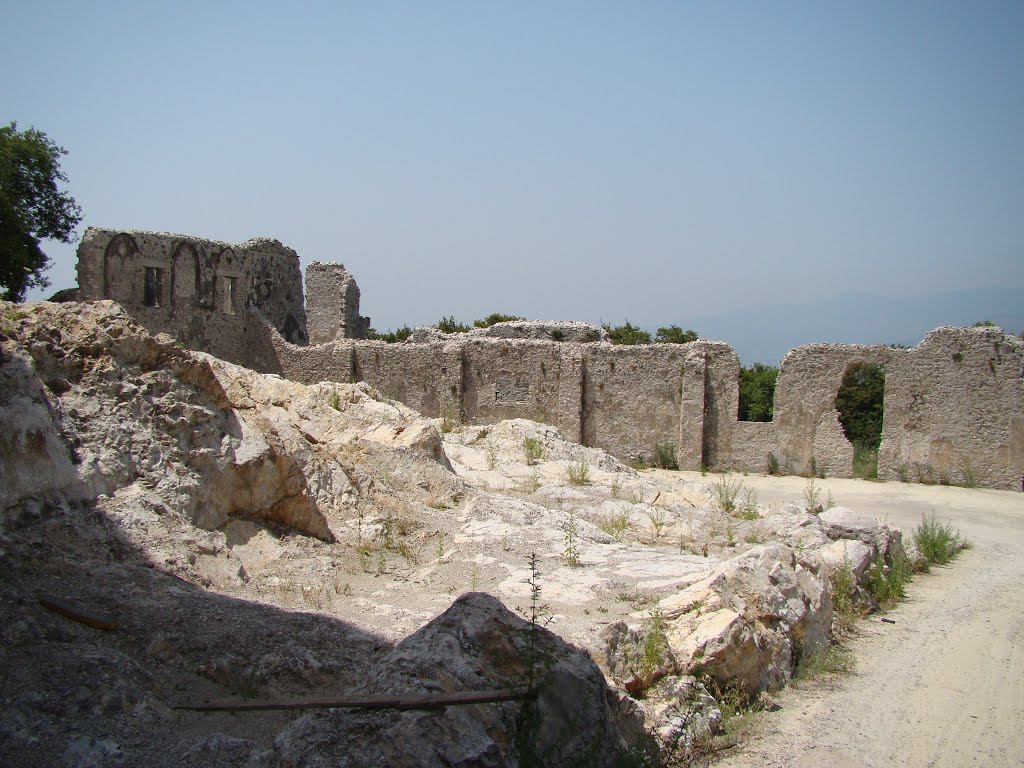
96,405
476,645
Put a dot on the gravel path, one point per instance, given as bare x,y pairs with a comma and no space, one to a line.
944,685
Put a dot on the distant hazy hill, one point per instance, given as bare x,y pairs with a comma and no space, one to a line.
765,333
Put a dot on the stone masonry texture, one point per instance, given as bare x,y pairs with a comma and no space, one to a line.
953,408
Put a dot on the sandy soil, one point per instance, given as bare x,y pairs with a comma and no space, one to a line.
944,685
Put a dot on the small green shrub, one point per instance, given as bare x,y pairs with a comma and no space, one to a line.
812,498
615,525
887,584
655,648
571,553
937,543
578,472
748,506
665,455
726,492
673,334
658,517
391,337
845,606
334,400
627,334
773,465
533,449
495,317
451,325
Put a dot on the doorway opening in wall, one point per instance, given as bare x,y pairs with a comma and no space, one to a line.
152,287
230,295
860,402
757,392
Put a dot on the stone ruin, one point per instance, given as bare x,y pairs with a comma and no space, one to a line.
953,406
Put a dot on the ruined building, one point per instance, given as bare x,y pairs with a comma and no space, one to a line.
953,407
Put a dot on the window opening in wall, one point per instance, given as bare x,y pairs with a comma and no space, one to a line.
757,392
152,286
230,295
860,402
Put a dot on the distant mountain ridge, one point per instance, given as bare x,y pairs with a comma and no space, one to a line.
765,333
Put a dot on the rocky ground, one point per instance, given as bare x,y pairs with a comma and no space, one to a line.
238,536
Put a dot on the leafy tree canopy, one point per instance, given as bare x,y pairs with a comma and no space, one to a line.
627,334
495,317
391,337
757,392
32,208
451,325
673,334
860,404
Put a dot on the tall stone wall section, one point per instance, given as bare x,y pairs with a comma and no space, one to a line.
332,300
953,409
810,437
212,296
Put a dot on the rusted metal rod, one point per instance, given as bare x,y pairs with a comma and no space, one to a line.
426,701
77,612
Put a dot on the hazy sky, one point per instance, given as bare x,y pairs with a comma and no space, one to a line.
654,161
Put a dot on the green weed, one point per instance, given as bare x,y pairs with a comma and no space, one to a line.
533,449
578,472
937,543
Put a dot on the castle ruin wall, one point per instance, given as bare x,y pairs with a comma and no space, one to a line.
202,292
954,410
332,304
953,406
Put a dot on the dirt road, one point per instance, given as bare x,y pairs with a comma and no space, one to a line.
944,685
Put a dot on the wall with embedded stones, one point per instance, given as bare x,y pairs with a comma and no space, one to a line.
953,411
204,292
332,304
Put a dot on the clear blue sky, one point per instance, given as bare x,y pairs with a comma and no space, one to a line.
659,161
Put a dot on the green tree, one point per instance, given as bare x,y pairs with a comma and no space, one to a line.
495,317
673,334
627,334
860,402
391,337
757,392
451,325
32,208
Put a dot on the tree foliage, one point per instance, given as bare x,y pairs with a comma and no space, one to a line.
391,337
495,317
32,208
757,392
451,325
673,334
860,403
627,334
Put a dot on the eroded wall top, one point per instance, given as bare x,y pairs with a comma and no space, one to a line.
200,291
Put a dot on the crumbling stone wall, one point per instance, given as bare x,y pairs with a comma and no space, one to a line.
953,409
810,437
203,292
332,302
